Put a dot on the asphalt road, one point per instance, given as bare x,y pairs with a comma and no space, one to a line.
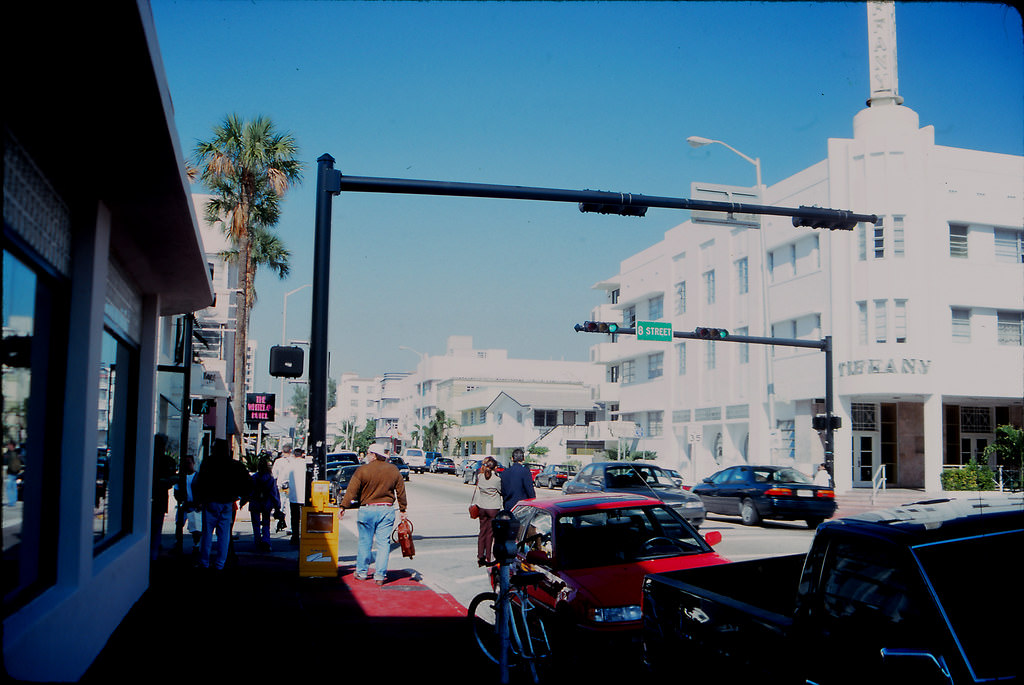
445,536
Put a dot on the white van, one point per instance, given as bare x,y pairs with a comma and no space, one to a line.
415,458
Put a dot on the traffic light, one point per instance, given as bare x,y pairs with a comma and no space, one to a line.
820,422
711,333
832,219
597,327
286,361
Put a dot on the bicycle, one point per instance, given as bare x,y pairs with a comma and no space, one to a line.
528,644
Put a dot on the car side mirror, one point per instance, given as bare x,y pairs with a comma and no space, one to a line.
706,480
713,537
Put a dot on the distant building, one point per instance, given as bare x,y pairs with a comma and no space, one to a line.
924,309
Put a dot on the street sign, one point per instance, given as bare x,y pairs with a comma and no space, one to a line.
721,193
652,330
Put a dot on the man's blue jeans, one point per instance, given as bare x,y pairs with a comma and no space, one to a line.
216,518
375,523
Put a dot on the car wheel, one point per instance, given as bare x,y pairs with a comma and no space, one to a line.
748,513
814,522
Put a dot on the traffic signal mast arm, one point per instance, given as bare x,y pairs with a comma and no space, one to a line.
604,202
727,337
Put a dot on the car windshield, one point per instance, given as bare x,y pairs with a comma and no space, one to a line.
620,536
636,476
992,653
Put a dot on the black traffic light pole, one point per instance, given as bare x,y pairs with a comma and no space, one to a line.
825,345
331,182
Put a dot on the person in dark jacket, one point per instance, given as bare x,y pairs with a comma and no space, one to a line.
221,481
264,500
516,481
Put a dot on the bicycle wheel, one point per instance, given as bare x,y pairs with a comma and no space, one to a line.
530,639
483,616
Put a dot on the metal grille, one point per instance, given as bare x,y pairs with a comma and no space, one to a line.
864,416
34,210
975,420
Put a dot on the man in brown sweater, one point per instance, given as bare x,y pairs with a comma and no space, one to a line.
374,488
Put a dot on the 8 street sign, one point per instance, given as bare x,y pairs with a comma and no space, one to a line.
651,330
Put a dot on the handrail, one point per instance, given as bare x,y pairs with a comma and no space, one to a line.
878,482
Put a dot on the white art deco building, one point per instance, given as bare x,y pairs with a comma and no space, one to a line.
924,309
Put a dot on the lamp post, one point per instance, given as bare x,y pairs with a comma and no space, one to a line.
699,141
284,325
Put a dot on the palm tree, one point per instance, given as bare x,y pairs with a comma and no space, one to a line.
265,249
248,166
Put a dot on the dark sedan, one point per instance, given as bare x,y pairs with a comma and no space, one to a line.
554,476
767,492
637,478
341,480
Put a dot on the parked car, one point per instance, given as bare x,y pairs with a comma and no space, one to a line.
881,597
637,478
470,468
677,478
534,469
554,476
767,492
416,459
341,480
442,465
594,551
335,460
403,468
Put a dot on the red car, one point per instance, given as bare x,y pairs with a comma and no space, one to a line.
595,549
534,469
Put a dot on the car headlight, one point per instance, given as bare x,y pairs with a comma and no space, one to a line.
615,614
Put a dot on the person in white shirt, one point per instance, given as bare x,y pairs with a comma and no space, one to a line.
821,477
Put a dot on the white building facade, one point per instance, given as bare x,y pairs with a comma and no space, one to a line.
924,310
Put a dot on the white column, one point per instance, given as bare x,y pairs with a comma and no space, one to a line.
933,447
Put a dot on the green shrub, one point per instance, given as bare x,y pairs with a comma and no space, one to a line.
974,476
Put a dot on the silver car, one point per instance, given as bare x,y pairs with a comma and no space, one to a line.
638,478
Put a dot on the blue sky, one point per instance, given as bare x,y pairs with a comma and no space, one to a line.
564,95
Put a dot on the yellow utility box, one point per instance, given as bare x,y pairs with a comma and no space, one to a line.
318,541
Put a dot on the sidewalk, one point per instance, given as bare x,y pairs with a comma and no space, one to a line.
258,620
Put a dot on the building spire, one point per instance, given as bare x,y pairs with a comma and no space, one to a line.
882,54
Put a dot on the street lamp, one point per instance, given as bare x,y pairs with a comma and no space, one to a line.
284,324
700,141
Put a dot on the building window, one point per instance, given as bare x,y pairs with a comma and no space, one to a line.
742,276
975,420
709,286
545,418
1009,246
629,317
568,418
1009,328
655,423
681,359
709,356
787,434
879,240
655,365
862,242
34,341
881,321
681,297
898,246
613,296
900,320
115,462
656,307
862,323
628,371
744,351
958,241
961,325
863,416
613,374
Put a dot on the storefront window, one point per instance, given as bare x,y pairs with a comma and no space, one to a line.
116,445
33,378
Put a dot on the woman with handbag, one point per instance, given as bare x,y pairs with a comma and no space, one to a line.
484,506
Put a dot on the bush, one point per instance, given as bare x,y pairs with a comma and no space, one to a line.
974,476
